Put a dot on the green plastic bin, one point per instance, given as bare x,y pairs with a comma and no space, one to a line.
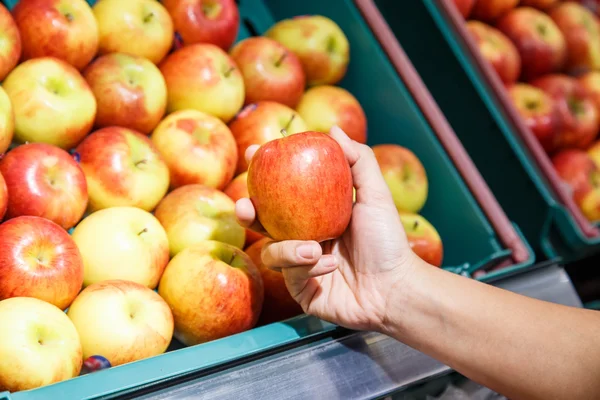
476,233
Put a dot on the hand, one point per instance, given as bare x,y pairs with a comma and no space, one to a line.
347,280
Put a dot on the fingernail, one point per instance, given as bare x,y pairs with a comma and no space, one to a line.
329,261
306,251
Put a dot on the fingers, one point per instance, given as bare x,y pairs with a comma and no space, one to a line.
291,253
296,277
250,150
246,216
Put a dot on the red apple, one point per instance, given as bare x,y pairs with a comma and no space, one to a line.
10,43
65,29
39,259
594,153
130,92
591,81
540,43
423,238
491,10
539,4
3,197
204,21
464,7
578,118
237,189
538,112
315,164
44,181
261,122
271,72
498,50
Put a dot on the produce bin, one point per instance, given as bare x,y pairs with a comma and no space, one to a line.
473,99
476,233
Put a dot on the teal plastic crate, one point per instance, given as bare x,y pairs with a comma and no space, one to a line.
477,235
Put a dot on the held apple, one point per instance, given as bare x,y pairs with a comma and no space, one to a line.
39,260
122,321
122,243
271,72
7,121
491,10
214,291
197,147
52,102
3,197
319,43
310,163
10,42
44,181
65,29
203,77
193,213
237,189
423,238
262,122
405,176
41,340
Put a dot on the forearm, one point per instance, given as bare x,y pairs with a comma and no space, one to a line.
518,346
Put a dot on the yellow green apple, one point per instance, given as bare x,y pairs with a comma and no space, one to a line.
7,121
423,238
237,189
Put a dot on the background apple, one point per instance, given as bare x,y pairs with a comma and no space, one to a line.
39,259
3,197
194,213
122,243
122,321
10,42
203,77
42,339
7,121
491,10
122,168
130,92
591,82
594,153
197,147
237,189
44,181
464,7
423,238
214,290
52,102
539,4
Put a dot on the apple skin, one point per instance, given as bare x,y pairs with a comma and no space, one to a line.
271,72
65,29
541,44
498,50
404,174
423,238
579,120
7,121
543,5
491,10
130,92
464,7
122,321
237,189
125,243
214,290
319,43
3,197
594,153
205,21
40,260
11,46
310,162
44,181
591,81
203,77
193,213
52,102
260,123
138,27
41,339
278,303
197,147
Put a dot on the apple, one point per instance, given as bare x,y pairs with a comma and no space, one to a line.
193,213
3,197
122,243
491,10
314,163
237,189
122,321
278,303
319,43
541,44
464,7
39,260
423,238
205,21
52,102
538,112
591,81
130,92
497,49
44,181
543,5
38,344
10,42
138,27
7,121
323,106
122,168
65,29
579,120
214,290
594,153
262,122
581,30
197,147
592,5
405,176
203,77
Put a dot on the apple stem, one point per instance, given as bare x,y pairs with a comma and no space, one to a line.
416,225
287,126
283,56
137,164
143,231
69,17
148,17
229,71
283,132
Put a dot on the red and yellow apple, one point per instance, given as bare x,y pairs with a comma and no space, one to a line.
464,7
491,10
543,5
3,197
594,152
7,121
10,42
237,189
591,81
423,238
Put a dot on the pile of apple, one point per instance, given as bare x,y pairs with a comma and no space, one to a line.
123,131
547,54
